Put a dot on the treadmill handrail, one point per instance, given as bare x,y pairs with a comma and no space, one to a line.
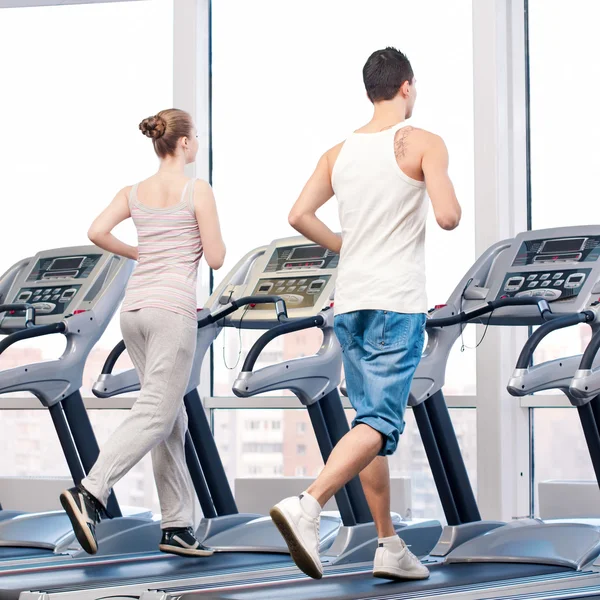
31,332
111,359
269,335
216,315
19,306
231,307
524,360
464,317
587,360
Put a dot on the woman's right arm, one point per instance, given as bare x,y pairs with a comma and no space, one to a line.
208,224
100,231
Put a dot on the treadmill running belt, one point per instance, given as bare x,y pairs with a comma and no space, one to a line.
8,552
155,569
364,585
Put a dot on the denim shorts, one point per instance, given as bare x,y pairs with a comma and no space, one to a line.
381,351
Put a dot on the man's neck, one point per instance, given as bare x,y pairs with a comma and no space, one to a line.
388,114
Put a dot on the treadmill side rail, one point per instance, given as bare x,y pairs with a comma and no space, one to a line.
571,545
358,544
455,535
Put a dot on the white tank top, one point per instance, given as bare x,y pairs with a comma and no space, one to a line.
383,214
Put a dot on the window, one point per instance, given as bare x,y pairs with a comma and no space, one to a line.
264,448
300,449
561,199
70,117
300,428
560,449
409,461
564,161
558,197
300,105
29,447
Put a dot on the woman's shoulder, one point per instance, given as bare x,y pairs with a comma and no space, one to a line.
201,185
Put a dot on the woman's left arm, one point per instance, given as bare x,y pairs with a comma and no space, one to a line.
100,230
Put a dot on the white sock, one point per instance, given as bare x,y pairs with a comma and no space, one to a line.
310,505
392,543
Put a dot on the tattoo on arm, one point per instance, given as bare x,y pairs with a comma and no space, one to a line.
401,142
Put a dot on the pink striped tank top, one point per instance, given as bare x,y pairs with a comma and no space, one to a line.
170,249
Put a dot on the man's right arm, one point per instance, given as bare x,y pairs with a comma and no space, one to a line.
439,187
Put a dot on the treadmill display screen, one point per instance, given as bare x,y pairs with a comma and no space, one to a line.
558,251
564,245
72,262
304,257
64,267
307,252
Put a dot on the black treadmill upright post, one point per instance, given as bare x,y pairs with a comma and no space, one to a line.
436,464
85,441
208,455
452,458
326,446
67,443
193,464
337,425
589,415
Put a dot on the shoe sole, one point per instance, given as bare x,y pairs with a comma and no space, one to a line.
184,551
398,575
80,527
304,561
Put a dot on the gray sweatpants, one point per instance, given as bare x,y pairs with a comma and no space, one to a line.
161,345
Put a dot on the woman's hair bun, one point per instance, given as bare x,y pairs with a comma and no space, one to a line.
153,127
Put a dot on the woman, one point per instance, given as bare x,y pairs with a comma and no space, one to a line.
176,221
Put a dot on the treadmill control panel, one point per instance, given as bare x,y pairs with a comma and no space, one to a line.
48,300
562,284
560,266
298,292
60,282
295,268
56,268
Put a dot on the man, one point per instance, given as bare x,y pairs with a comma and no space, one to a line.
379,175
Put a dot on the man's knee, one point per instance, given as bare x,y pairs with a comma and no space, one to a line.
380,430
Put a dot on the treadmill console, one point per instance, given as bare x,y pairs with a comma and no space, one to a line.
296,269
561,266
59,282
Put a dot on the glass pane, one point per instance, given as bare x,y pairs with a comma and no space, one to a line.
79,81
564,158
299,99
271,443
560,449
561,344
29,447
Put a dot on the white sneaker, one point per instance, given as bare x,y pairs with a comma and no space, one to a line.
398,564
300,531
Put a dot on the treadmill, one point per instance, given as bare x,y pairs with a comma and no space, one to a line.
549,278
247,546
73,291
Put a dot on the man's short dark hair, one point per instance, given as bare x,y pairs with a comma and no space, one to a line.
384,73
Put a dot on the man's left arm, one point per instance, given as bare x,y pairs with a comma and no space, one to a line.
316,192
